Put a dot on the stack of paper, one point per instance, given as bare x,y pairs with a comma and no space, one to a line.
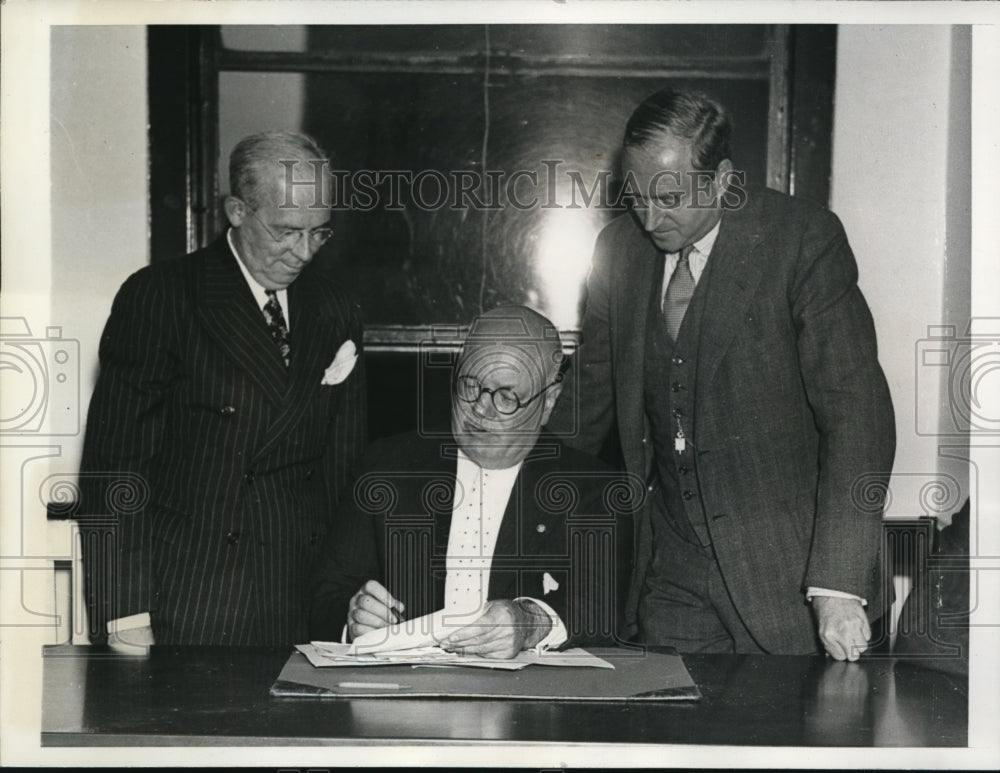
414,642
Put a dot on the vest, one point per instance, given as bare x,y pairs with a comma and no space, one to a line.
669,393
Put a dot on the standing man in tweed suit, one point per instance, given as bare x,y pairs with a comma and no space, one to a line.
231,399
725,333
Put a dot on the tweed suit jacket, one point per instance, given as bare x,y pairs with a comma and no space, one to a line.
568,516
793,425
234,463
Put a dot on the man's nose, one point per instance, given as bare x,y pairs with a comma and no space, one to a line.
652,216
303,248
483,407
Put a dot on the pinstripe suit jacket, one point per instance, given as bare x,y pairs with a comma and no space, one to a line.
793,423
568,515
227,465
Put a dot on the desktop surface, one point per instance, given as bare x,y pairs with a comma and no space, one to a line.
215,696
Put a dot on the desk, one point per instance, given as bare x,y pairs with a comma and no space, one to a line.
202,696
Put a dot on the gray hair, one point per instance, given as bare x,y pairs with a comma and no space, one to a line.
255,158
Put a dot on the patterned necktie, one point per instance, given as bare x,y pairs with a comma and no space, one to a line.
678,295
275,318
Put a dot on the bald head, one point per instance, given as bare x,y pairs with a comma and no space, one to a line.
505,385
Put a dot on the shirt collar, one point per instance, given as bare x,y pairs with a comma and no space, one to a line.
705,243
467,466
258,290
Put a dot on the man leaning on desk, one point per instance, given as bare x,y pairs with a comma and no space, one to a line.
496,522
726,336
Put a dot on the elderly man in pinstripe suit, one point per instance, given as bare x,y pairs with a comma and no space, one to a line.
231,398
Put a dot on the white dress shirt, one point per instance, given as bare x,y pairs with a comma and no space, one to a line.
481,497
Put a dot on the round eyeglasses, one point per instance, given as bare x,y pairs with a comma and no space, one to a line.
289,237
469,389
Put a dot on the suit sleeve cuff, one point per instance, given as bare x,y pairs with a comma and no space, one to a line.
119,624
811,592
557,635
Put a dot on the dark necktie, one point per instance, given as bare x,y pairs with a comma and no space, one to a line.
678,295
275,318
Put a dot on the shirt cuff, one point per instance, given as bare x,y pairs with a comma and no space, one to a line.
141,620
557,635
839,594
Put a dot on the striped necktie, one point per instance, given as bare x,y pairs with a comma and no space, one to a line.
678,295
275,318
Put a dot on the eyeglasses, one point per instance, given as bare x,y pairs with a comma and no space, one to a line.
469,389
289,237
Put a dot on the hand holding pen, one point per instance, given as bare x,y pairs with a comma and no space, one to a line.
372,607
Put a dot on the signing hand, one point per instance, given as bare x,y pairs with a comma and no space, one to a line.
843,626
503,630
370,608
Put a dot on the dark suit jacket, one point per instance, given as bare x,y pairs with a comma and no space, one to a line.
793,421
233,462
568,516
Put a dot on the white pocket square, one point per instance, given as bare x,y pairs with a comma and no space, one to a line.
342,365
549,584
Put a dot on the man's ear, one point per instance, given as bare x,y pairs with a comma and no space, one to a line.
550,402
236,211
723,172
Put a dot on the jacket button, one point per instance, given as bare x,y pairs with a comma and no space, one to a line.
649,487
227,410
313,538
309,473
233,537
249,477
540,528
687,495
678,413
683,470
677,360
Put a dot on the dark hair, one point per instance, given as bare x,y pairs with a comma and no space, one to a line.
255,157
688,115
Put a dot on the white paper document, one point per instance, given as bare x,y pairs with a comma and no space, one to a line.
415,642
326,654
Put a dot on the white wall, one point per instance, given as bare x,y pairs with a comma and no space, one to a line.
99,229
901,186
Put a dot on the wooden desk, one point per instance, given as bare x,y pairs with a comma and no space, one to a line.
219,697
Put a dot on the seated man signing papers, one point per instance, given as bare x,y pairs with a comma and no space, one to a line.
513,538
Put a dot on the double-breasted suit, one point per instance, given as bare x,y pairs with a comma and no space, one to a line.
793,427
568,517
232,461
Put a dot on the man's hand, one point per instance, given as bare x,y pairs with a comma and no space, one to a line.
370,608
504,629
843,626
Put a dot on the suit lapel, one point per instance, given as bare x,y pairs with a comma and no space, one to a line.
231,317
642,265
736,270
519,535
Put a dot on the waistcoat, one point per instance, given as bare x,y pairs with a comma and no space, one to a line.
669,392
